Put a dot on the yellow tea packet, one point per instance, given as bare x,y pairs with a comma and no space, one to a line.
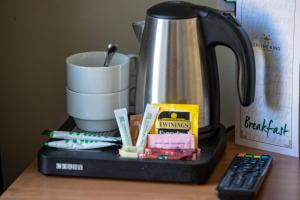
177,119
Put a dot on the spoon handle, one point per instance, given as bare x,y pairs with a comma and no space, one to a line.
111,50
108,59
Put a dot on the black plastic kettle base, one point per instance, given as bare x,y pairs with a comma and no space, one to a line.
107,164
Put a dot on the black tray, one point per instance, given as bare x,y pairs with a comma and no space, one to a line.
107,164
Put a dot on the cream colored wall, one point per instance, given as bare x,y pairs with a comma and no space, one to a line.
35,38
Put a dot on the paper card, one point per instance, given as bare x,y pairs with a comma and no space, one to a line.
272,121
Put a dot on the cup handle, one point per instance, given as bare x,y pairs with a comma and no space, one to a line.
133,76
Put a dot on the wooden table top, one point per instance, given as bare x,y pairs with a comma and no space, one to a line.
282,182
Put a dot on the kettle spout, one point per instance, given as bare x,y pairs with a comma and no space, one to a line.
138,28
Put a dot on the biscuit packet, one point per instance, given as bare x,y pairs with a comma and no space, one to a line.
177,119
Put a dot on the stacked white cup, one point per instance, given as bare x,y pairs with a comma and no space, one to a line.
95,91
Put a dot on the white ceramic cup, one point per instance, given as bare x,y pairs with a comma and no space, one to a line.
95,112
86,73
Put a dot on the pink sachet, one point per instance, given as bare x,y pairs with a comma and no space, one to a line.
171,141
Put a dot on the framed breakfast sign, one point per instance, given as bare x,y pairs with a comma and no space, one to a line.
272,121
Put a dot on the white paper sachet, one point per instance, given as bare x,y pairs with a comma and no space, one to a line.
80,136
123,124
147,123
79,144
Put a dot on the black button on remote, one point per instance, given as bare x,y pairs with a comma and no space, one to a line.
243,177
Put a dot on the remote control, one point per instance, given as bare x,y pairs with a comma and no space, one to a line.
244,177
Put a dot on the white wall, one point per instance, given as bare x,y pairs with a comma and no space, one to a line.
36,36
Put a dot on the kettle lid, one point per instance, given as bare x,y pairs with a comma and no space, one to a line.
172,10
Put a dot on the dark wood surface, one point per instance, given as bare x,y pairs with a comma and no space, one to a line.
1,177
282,183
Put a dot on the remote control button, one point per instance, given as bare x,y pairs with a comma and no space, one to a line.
241,155
235,167
250,182
247,169
261,164
265,157
242,170
227,179
254,162
249,155
231,173
257,173
245,162
238,182
257,168
256,156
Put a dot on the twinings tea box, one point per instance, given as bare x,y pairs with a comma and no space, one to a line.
272,121
177,119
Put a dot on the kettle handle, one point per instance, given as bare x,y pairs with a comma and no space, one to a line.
220,28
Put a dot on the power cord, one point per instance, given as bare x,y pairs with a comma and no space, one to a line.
230,128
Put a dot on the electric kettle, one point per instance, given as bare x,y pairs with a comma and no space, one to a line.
178,61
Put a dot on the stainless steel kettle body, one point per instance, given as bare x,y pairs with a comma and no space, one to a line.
178,62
